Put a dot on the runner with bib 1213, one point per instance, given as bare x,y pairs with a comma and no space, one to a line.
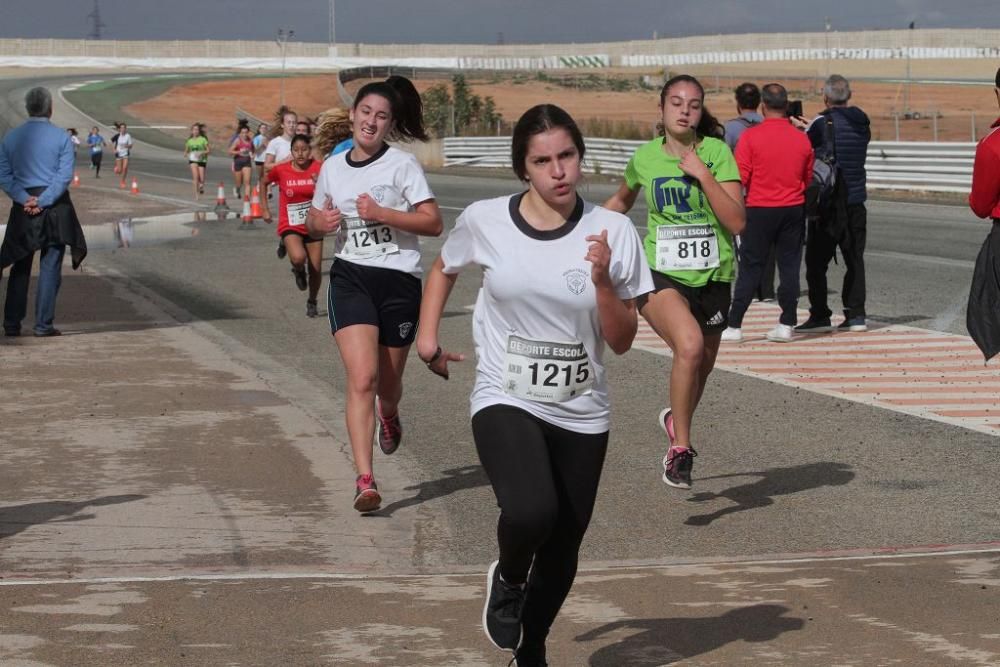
375,197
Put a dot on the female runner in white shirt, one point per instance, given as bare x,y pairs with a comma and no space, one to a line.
376,198
560,279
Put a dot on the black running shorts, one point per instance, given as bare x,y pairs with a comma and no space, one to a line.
709,303
384,298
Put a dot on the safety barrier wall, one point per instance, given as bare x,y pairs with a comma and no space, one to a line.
758,47
917,166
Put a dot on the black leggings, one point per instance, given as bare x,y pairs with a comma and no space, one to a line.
545,479
95,161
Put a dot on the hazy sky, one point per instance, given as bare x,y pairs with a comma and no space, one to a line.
476,21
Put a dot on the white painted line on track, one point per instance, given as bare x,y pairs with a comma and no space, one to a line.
877,554
928,259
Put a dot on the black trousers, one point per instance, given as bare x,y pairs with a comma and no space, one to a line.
545,479
820,249
780,227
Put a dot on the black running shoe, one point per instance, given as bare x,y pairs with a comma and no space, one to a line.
529,656
677,465
300,278
311,309
502,611
281,252
815,325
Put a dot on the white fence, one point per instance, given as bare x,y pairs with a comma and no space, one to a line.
697,50
917,166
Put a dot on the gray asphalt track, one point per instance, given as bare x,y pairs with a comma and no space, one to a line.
781,471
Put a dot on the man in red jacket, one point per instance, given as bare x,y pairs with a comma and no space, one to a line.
776,163
983,313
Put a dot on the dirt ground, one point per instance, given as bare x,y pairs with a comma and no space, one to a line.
959,107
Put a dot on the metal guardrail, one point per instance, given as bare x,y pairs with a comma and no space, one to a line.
904,165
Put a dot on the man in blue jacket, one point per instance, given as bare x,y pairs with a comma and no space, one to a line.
845,225
36,167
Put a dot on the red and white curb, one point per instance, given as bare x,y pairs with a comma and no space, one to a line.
928,374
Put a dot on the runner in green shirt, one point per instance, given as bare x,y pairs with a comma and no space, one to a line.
695,204
196,149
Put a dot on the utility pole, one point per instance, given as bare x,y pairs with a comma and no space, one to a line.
282,41
906,90
95,22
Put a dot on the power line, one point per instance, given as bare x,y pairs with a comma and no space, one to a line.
95,22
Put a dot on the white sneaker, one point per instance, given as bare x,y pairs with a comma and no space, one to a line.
732,335
780,334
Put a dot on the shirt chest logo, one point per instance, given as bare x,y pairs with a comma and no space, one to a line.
379,192
672,194
576,280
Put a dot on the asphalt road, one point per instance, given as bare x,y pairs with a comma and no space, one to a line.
781,471
788,442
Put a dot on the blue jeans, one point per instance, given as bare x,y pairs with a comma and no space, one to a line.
49,279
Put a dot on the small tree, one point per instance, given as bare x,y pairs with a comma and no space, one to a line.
437,109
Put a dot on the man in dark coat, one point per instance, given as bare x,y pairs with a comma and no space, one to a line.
36,167
983,313
844,225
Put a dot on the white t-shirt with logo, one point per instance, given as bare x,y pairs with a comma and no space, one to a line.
538,306
280,148
124,145
394,179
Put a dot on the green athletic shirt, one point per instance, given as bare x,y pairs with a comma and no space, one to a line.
197,144
675,199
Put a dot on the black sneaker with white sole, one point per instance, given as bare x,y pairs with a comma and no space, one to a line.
502,611
300,278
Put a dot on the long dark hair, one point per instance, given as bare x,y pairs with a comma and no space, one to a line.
709,125
405,103
536,120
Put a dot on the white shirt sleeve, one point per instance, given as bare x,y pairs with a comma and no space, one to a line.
271,147
460,248
320,192
413,182
629,270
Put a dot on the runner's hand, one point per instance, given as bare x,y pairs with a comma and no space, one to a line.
368,209
326,222
692,165
440,365
599,255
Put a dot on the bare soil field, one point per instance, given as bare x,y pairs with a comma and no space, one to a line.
958,107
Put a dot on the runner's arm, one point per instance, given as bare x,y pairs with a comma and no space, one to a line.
424,219
623,200
618,318
436,293
726,200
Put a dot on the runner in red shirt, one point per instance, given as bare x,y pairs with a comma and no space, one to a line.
296,181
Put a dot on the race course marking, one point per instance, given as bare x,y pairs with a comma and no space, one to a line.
928,374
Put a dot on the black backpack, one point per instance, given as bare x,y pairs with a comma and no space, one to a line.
826,195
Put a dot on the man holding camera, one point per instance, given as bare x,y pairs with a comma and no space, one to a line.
844,223
776,163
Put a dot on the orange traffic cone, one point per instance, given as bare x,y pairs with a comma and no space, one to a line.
255,210
135,186
76,179
247,218
220,197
